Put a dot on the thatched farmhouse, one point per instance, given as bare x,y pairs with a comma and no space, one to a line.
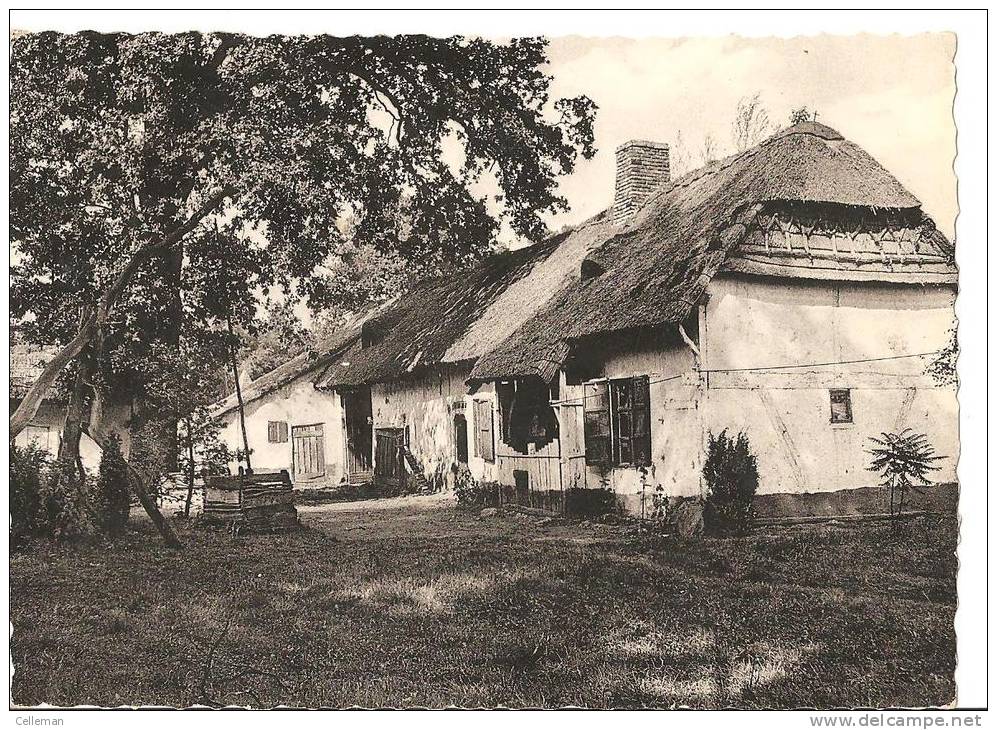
795,291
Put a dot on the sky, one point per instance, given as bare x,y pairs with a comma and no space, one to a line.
892,95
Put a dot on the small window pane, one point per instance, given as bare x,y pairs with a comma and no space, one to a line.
621,390
623,427
595,397
624,452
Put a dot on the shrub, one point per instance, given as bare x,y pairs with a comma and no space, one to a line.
588,503
48,498
903,460
65,501
27,472
731,474
112,500
465,486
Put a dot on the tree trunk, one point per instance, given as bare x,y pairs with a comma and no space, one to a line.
140,486
28,406
72,428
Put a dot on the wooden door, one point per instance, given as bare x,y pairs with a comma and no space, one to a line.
572,435
387,465
308,445
460,437
359,430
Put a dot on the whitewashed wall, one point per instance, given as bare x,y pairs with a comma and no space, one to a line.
45,431
752,322
676,431
427,406
298,403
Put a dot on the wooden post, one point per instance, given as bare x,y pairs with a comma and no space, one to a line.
190,468
238,396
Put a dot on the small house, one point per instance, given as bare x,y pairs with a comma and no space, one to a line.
45,430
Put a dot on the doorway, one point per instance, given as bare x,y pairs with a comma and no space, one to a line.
389,471
460,437
358,417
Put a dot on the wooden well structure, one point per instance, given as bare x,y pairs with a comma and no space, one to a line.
251,502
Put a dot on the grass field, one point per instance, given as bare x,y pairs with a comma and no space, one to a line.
413,602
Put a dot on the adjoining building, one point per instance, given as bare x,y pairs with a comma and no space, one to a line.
45,430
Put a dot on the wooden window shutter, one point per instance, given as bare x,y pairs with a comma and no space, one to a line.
598,439
642,421
484,442
277,432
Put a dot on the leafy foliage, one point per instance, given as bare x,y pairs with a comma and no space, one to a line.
66,506
254,151
466,487
591,502
942,368
48,497
113,137
731,475
903,460
27,467
800,115
112,500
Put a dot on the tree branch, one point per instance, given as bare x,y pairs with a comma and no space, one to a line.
91,329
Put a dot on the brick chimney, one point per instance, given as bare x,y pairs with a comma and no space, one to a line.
641,167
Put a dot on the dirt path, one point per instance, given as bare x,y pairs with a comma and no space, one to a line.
416,502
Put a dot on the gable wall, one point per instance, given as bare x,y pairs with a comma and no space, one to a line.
298,403
752,322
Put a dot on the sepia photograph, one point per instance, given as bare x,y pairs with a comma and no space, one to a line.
445,368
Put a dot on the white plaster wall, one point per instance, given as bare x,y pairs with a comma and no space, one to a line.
45,431
427,406
754,322
298,403
676,432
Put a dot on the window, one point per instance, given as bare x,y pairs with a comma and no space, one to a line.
618,422
484,443
841,406
277,432
526,414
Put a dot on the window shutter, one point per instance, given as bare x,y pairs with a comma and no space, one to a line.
642,421
597,425
484,443
277,432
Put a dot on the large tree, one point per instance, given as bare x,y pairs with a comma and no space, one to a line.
158,181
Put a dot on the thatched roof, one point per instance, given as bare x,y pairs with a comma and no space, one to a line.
313,361
655,271
458,318
518,313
